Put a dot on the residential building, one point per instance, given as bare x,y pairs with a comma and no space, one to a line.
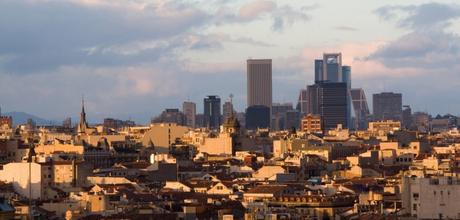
311,123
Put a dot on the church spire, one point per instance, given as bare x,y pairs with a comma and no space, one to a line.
82,125
83,105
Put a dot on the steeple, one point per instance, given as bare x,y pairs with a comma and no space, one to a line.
83,106
82,125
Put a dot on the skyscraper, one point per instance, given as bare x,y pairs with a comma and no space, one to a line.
189,110
346,78
387,106
332,67
329,100
227,110
330,70
259,82
361,108
318,71
302,102
212,112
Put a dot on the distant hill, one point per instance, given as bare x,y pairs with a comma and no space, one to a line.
21,118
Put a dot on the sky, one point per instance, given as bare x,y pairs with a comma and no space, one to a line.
131,59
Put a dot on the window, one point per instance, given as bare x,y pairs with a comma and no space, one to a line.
434,193
414,207
415,196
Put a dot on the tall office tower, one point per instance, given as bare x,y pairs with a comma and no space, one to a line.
212,112
189,110
332,67
313,101
330,102
406,117
346,78
227,110
361,108
318,71
257,116
387,106
302,102
259,82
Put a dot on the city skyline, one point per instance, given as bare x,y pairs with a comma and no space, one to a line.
45,69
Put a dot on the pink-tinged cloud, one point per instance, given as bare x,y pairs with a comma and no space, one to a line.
256,8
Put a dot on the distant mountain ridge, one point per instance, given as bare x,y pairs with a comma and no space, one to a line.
22,117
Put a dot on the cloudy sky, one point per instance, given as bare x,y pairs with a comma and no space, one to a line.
133,58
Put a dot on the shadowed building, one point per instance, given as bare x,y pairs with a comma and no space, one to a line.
212,112
189,110
329,100
257,116
387,106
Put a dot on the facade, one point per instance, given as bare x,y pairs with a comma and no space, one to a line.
6,120
332,67
212,112
292,119
330,70
360,107
110,123
279,111
161,136
257,116
346,78
318,70
259,82
387,106
311,123
227,110
431,198
407,117
384,127
302,102
329,100
189,110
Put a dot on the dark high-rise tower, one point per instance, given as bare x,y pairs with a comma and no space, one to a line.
330,102
387,106
212,112
324,99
